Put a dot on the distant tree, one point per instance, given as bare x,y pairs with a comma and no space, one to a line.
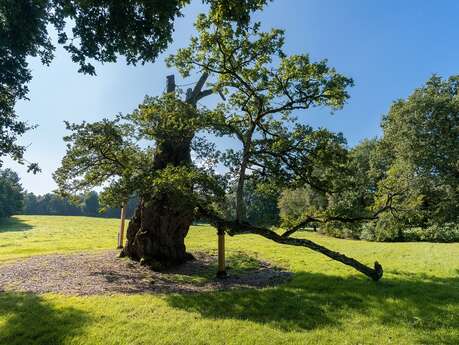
419,152
407,179
352,203
91,204
30,204
261,202
79,205
11,197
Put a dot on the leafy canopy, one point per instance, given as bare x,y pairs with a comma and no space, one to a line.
109,153
263,87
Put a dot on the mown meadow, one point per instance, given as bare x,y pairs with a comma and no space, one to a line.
416,302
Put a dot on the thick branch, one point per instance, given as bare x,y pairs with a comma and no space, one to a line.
195,94
235,228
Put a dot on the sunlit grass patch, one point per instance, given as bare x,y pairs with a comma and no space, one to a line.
416,302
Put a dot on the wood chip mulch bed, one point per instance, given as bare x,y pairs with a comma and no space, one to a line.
96,273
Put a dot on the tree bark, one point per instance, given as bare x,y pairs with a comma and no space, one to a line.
240,202
156,234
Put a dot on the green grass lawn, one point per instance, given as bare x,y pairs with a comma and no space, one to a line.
416,302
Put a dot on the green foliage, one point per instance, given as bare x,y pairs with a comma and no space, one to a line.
341,192
100,30
354,194
263,86
384,229
102,153
261,201
448,232
91,204
238,11
261,204
50,204
295,204
11,198
10,129
164,117
108,153
406,183
302,157
421,135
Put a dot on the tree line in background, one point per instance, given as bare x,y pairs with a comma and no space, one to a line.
84,205
14,200
11,194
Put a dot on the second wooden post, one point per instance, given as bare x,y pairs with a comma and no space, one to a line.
221,273
121,233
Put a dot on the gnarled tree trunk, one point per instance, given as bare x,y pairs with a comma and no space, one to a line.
156,233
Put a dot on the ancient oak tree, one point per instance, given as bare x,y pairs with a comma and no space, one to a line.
262,87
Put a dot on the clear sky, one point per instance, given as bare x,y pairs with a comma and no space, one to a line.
388,47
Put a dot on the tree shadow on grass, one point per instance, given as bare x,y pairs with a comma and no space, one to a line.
312,301
14,224
29,319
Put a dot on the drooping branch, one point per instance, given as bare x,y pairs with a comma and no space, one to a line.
239,228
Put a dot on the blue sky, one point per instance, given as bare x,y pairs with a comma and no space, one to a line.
388,47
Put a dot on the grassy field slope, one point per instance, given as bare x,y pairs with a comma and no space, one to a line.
417,302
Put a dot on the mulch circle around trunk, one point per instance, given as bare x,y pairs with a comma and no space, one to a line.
96,273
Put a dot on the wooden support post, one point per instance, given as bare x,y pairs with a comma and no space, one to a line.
221,273
121,233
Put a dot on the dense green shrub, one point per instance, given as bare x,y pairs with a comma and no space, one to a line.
385,231
448,232
381,231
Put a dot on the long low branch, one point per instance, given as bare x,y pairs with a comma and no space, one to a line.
236,228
